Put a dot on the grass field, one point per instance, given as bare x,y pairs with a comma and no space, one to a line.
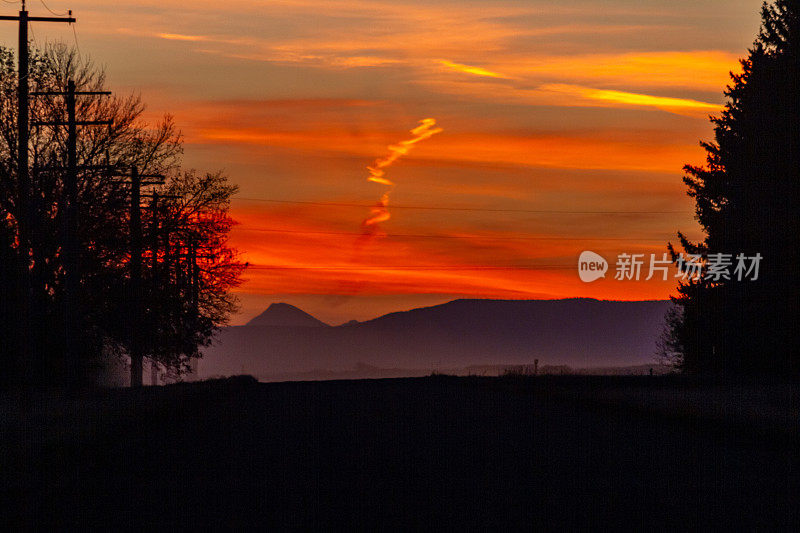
424,453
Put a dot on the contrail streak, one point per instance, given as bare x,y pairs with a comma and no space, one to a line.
377,172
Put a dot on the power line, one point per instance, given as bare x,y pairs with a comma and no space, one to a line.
488,210
65,13
53,12
456,237
412,267
75,35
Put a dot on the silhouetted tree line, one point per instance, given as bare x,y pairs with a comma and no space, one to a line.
748,201
188,268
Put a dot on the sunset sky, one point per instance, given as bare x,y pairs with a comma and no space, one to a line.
564,128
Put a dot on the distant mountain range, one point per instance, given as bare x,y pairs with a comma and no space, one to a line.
285,342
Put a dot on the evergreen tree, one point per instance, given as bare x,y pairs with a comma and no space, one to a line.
747,200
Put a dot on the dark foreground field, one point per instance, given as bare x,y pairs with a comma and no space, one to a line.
429,453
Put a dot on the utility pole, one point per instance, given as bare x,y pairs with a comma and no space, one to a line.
194,280
153,271
155,236
71,247
136,278
189,281
195,291
24,193
154,226
137,298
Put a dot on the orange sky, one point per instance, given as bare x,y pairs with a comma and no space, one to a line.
565,128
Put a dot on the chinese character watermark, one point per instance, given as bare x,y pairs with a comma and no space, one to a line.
716,267
629,267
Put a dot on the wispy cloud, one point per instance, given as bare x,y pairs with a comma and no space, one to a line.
476,71
180,37
673,105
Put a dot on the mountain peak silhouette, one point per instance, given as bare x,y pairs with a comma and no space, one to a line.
285,315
